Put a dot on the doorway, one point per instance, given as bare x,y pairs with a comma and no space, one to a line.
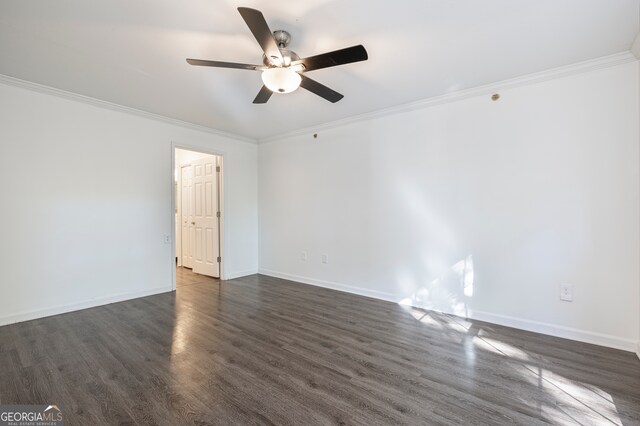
197,217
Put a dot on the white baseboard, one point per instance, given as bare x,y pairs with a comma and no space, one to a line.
234,275
585,336
332,285
508,321
92,303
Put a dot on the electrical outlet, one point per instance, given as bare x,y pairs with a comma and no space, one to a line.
566,292
303,256
325,258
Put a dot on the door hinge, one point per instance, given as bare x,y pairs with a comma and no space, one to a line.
219,259
218,169
218,214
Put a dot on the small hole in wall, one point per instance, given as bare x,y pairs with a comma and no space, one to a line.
315,136
495,96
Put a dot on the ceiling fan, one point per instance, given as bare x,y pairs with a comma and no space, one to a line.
282,69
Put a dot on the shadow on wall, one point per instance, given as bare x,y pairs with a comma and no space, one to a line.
449,292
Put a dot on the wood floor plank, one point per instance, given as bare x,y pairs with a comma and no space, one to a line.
261,350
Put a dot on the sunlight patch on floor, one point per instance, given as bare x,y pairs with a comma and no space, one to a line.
562,400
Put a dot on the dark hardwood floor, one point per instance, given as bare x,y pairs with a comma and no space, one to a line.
261,350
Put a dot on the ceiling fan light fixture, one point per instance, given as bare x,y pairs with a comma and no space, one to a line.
281,80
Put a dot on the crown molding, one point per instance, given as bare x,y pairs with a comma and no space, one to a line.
578,68
551,74
29,85
635,47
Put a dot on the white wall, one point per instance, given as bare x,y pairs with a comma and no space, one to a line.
518,196
636,51
79,181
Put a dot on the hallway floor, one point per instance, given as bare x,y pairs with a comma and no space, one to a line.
185,276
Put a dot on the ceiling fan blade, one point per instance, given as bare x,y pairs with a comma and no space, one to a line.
320,89
263,96
204,63
258,26
331,59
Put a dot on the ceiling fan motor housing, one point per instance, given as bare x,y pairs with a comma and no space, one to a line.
282,39
288,56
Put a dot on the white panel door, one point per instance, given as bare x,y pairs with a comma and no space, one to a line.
186,211
205,207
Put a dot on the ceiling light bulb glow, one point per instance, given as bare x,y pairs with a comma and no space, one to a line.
281,80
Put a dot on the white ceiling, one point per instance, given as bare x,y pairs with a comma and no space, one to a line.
133,52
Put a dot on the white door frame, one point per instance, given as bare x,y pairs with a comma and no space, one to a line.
179,234
223,202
